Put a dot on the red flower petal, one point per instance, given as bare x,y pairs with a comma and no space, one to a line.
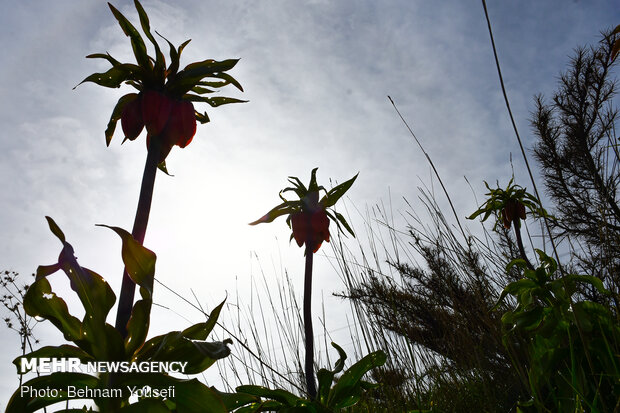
181,126
505,219
521,210
131,119
299,222
155,111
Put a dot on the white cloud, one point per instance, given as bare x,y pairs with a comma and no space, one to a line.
316,74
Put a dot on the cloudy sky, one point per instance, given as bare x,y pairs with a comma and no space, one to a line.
316,74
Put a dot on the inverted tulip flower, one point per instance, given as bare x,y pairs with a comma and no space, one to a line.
509,205
164,106
309,218
164,102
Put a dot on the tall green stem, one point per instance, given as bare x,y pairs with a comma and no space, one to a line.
310,383
520,243
128,288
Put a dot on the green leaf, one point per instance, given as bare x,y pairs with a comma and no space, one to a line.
40,301
227,80
146,405
193,73
193,396
233,401
326,377
62,351
139,261
138,326
115,76
341,359
55,229
105,56
519,287
160,61
337,192
282,396
202,117
588,279
175,56
57,381
202,90
96,297
341,220
173,346
189,395
284,208
117,112
346,391
200,331
214,101
529,320
45,270
137,44
94,292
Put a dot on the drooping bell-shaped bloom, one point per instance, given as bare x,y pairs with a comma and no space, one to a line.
310,227
512,211
156,109
166,91
131,119
181,126
309,217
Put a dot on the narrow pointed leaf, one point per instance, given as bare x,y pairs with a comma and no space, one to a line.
55,229
282,209
160,61
202,117
201,331
337,192
139,261
282,396
137,44
115,76
105,56
344,392
344,222
228,79
138,326
213,101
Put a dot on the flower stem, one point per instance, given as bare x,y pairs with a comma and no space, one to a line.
520,244
310,383
128,288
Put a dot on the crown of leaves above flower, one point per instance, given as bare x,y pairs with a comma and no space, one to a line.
309,201
154,74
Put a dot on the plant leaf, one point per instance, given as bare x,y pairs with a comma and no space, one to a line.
334,194
139,261
137,44
115,76
284,208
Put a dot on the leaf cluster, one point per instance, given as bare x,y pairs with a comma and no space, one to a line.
95,340
194,83
565,349
498,200
333,395
308,197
